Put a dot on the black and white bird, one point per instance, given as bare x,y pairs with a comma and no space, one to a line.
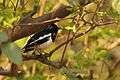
43,38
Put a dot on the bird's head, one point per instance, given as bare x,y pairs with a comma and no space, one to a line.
53,28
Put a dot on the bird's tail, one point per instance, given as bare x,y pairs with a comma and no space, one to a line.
25,50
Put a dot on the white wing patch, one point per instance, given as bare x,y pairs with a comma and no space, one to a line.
40,38
46,44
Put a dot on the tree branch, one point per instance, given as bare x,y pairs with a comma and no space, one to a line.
20,31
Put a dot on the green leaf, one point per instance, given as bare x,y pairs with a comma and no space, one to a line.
101,54
13,52
3,37
72,75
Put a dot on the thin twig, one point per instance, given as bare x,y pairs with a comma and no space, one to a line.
12,3
97,9
62,58
48,21
16,5
77,36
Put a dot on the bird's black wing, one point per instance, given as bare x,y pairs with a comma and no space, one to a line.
37,35
35,40
30,47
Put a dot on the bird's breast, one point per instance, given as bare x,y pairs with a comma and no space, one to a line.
45,45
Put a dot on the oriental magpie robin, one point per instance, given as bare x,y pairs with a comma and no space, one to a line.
42,38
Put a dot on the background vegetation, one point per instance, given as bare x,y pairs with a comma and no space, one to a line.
91,33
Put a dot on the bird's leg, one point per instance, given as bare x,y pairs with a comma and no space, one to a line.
36,48
40,51
33,53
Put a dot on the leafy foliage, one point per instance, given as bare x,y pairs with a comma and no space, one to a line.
78,63
3,37
116,4
13,52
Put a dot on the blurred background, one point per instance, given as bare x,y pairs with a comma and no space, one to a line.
92,56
